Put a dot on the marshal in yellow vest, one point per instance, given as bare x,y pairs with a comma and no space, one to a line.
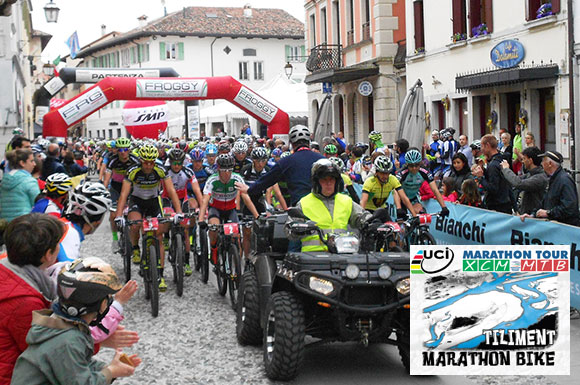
314,209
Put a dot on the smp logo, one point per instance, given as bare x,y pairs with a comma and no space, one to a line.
432,261
148,117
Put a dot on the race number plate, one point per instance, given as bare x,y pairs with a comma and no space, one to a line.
231,228
150,224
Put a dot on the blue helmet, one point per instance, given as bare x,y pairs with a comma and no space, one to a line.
276,152
197,154
211,149
413,156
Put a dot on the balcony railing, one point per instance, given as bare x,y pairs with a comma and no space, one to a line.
366,31
324,57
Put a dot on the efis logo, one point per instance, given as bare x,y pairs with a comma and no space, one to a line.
431,261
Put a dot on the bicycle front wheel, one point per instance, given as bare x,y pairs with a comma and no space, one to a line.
204,255
234,276
178,263
220,272
154,277
126,252
425,238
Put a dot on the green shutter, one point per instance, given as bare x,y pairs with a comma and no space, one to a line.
303,53
162,50
139,54
180,53
288,52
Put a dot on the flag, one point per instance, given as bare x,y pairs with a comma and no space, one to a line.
73,44
57,60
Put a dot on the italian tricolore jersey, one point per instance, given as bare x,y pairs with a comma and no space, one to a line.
222,196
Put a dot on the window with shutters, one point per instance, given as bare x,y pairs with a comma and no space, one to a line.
295,53
170,51
366,26
537,9
243,71
125,58
480,17
258,70
336,22
459,20
349,22
419,26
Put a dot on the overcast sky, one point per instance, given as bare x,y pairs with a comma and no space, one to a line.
86,17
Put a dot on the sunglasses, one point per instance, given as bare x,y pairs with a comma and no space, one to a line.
122,149
177,163
225,169
148,162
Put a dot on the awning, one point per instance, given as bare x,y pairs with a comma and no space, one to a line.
342,75
492,78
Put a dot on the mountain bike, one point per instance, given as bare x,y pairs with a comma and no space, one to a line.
177,248
416,231
150,259
125,248
227,269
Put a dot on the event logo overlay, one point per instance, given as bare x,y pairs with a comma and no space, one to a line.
490,310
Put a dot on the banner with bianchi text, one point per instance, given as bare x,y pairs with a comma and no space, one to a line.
490,310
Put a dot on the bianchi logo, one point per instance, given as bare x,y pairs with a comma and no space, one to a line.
256,104
431,261
84,105
175,88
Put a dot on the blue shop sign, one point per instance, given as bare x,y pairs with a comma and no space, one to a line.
507,54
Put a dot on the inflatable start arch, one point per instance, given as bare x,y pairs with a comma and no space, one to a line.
56,122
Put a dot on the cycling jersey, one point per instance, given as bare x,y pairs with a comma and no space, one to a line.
378,192
222,196
202,175
70,243
48,206
238,166
180,181
118,168
250,175
411,183
146,186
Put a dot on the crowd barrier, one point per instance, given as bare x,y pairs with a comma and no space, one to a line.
474,226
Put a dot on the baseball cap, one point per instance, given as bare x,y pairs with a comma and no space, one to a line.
554,155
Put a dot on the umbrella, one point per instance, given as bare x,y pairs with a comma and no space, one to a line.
323,123
411,123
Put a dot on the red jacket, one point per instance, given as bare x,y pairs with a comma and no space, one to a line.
17,302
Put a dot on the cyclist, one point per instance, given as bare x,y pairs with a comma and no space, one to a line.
211,153
377,188
251,173
115,173
107,155
330,150
181,176
412,177
376,142
275,157
241,156
222,196
55,195
142,186
201,171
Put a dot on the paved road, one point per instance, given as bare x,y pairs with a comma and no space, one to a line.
193,342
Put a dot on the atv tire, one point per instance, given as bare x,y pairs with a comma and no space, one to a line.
283,336
248,329
404,338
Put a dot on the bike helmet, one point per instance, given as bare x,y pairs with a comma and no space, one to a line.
36,149
225,161
323,168
211,149
122,143
148,152
197,154
249,140
362,145
413,156
111,144
259,153
176,154
476,145
383,164
58,184
446,134
338,162
89,198
182,145
314,145
83,286
276,152
285,154
366,160
299,132
224,147
375,136
240,147
330,149
18,131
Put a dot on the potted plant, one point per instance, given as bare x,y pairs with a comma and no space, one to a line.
544,10
480,30
458,37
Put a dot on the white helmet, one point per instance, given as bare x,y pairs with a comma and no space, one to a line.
89,198
299,132
240,147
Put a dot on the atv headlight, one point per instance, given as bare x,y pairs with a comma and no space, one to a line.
321,286
352,271
404,286
385,271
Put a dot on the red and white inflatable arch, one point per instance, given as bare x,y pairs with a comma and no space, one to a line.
110,89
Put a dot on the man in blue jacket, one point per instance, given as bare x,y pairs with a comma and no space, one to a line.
293,169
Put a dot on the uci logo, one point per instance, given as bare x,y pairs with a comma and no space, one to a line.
435,261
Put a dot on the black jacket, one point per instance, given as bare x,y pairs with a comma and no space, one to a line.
561,199
497,190
50,166
533,184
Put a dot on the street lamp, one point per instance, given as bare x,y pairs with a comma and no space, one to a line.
48,69
51,12
288,69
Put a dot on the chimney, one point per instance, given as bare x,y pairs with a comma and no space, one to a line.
142,21
103,29
247,10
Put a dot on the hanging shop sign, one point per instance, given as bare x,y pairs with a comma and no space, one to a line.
507,54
